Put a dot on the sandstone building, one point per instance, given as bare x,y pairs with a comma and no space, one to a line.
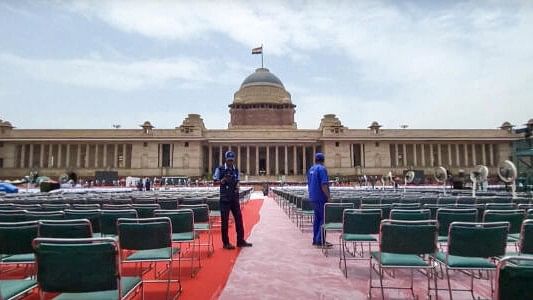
265,137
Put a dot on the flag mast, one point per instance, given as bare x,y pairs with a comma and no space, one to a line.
259,50
262,56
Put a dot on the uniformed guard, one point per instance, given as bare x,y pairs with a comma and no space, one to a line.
228,177
318,189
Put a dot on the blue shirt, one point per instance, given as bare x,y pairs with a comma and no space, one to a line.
316,177
217,176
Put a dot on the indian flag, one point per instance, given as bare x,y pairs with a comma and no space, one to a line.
258,50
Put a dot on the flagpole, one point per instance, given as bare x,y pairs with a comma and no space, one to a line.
262,56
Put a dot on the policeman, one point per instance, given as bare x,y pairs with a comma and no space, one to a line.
318,188
228,177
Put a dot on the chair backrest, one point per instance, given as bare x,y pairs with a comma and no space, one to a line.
108,219
86,206
193,201
410,214
201,212
168,203
108,206
478,239
146,210
408,237
514,278
16,237
45,215
182,219
66,229
333,212
145,233
411,205
500,206
529,214
361,221
446,216
29,207
15,215
77,265
526,237
385,208
54,206
514,217
93,215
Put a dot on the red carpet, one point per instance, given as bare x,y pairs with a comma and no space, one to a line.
213,275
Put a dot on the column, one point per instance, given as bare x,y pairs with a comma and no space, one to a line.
483,155
59,155
78,156
474,160
257,160
248,159
404,155
314,152
239,156
115,155
491,154
67,160
50,156
295,159
105,156
160,160
415,161
96,156
304,161
423,152
457,156
450,155
286,160
396,158
30,161
362,154
268,159
41,157
210,158
439,154
220,155
125,147
22,155
466,155
87,148
277,161
431,156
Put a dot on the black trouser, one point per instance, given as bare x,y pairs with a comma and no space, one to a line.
235,208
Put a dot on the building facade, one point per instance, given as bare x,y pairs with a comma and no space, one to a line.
262,132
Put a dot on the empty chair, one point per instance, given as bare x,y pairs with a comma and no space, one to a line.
15,242
14,215
108,206
54,206
500,206
514,278
525,244
82,269
66,229
446,216
410,214
514,217
86,206
145,210
45,215
333,214
108,219
414,205
93,215
202,224
168,203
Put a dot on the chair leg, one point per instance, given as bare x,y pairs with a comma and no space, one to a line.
449,284
381,283
370,278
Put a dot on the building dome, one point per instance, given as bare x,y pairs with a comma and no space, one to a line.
262,76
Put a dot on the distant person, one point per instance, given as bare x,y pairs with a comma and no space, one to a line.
147,184
318,188
228,177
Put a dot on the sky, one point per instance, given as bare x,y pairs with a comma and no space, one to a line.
425,64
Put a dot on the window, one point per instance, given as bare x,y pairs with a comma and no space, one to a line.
336,144
165,162
145,144
377,144
186,144
1,144
1,163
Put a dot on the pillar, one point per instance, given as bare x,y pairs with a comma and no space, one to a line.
257,160
41,157
59,155
87,148
115,155
96,156
362,154
239,156
474,160
415,160
439,154
50,156
314,151
483,155
67,156
491,154
268,159
277,161
78,156
220,155
404,155
396,158
30,160
295,159
210,158
304,161
423,152
466,154
450,155
457,156
431,156
286,160
248,159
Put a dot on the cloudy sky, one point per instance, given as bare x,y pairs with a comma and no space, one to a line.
427,64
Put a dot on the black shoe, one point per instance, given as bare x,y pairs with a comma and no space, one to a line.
229,247
244,244
326,245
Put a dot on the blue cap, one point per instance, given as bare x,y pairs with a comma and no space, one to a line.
319,156
230,155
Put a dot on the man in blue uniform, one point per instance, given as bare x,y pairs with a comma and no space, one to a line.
228,177
318,188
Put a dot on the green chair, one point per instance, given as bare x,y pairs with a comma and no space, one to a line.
306,212
108,220
82,269
410,214
85,206
66,229
406,205
471,248
148,240
12,215
408,245
145,210
359,227
525,244
514,217
168,203
202,223
529,214
183,232
93,215
44,215
514,277
500,206
16,288
333,215
15,243
385,208
54,206
446,216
